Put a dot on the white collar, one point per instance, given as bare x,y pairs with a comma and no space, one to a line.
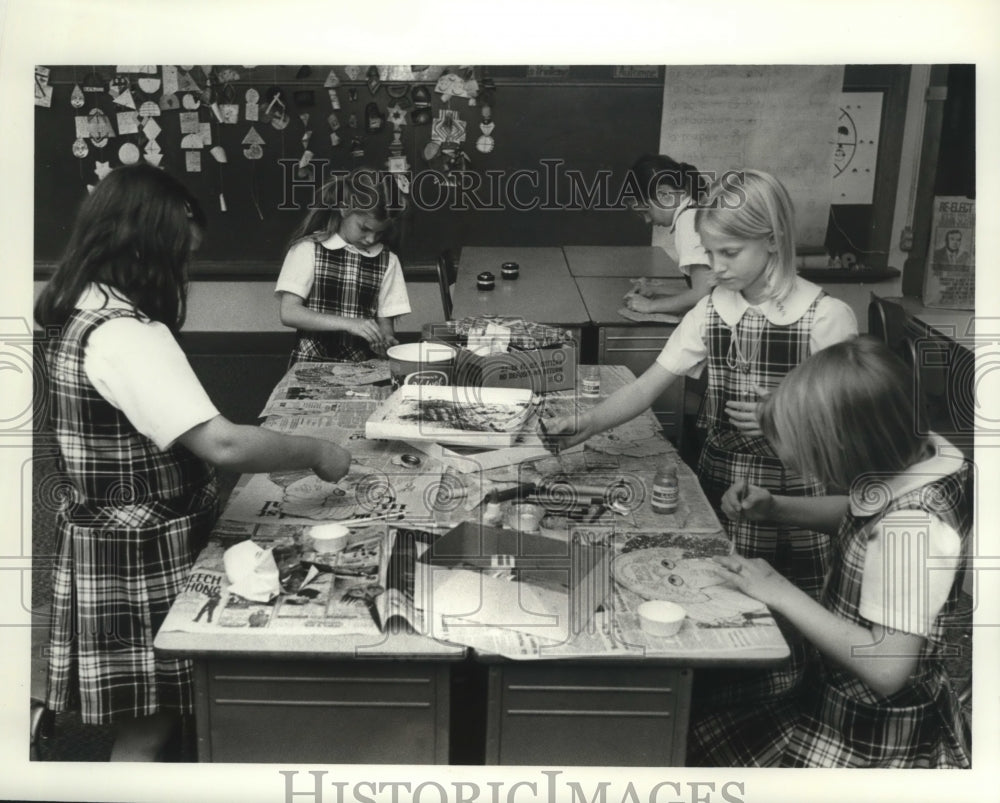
731,304
335,242
946,460
97,295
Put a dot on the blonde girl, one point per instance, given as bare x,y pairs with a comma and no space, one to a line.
339,286
878,694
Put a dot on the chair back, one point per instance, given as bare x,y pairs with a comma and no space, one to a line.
446,273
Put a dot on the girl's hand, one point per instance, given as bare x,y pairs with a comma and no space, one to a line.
748,501
755,577
641,287
388,335
640,303
745,415
369,330
563,432
333,462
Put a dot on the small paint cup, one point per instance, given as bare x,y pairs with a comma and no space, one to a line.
658,617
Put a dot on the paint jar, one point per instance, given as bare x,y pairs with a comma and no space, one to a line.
590,381
485,281
510,270
666,492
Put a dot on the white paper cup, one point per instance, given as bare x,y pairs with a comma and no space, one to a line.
331,537
659,617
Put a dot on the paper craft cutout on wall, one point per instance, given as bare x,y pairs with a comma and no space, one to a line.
128,154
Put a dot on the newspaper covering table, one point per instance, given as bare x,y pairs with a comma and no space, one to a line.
317,387
355,590
424,492
722,624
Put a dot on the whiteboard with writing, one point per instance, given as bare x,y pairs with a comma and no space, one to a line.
776,118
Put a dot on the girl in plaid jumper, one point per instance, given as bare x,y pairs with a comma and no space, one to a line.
339,286
876,693
138,439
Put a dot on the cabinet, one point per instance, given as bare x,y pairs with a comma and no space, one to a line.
322,712
554,714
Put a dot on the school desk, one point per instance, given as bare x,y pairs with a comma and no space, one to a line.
630,261
267,696
636,345
544,291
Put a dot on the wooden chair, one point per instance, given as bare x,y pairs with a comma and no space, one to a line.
447,272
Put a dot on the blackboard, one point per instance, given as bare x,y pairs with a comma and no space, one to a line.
582,119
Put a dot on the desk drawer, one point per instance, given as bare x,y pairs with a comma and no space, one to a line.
637,347
344,712
595,716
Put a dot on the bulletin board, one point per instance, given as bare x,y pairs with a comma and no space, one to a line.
552,121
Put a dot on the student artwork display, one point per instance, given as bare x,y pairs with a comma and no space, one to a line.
177,116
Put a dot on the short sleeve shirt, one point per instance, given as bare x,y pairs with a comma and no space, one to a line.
139,368
298,273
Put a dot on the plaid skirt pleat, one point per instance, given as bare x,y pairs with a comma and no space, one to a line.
115,579
822,726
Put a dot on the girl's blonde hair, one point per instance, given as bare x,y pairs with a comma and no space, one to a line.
847,410
754,205
363,190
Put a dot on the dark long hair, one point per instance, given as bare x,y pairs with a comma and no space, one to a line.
655,170
364,190
133,234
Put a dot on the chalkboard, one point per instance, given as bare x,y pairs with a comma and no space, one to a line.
582,119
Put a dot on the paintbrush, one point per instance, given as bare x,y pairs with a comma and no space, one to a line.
371,519
741,494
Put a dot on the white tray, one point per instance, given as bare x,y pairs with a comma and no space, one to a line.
465,416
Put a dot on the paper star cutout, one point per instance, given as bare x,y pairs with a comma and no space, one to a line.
101,169
396,115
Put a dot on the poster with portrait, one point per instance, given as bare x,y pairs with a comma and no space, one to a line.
950,278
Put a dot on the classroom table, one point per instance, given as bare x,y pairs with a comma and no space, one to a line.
317,697
628,261
544,291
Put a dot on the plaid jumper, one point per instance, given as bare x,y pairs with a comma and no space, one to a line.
127,539
835,719
769,351
346,283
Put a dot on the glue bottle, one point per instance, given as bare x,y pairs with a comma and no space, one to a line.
665,489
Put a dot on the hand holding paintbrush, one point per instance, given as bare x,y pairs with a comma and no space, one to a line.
743,500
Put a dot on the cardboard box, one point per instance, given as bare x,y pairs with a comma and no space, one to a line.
540,370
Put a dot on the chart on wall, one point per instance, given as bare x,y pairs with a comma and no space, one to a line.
855,147
769,117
